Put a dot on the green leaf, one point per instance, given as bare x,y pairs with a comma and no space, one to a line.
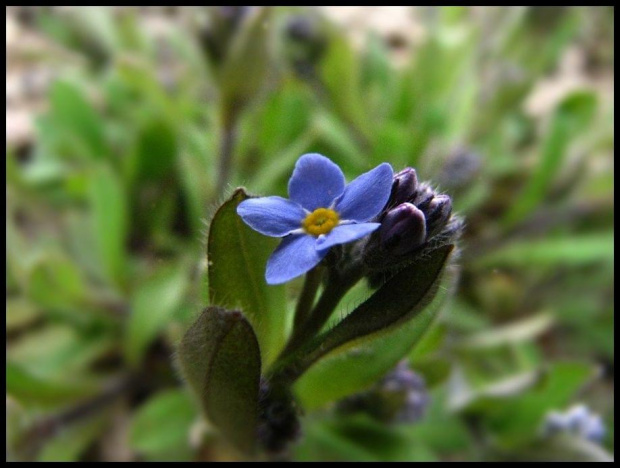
29,388
110,221
247,62
72,111
152,306
55,281
571,117
71,442
335,133
576,250
517,418
160,427
237,257
322,442
341,74
57,350
281,164
525,329
376,335
156,151
220,359
442,431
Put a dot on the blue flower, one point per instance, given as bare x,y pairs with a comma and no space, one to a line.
578,420
321,212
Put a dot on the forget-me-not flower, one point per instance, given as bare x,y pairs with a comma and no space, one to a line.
321,212
577,420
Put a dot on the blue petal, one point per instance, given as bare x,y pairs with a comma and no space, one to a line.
365,197
316,182
345,233
271,216
294,256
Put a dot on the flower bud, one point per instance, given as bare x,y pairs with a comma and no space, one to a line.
415,221
437,214
423,196
403,229
404,186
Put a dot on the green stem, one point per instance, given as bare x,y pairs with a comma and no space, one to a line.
335,289
306,299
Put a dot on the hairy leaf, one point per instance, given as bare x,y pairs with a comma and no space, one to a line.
220,359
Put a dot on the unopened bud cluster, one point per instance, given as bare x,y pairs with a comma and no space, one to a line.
415,218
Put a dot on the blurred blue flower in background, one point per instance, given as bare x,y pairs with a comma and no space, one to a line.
321,212
578,420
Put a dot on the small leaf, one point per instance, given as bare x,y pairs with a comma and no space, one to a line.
570,119
160,427
237,257
152,305
526,329
57,350
56,281
247,63
574,250
70,443
156,151
110,220
340,72
31,389
73,112
220,358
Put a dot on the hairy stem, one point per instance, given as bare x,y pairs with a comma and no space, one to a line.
337,286
306,299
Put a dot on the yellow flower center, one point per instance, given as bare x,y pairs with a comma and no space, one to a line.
320,221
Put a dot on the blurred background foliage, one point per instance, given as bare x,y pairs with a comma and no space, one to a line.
126,126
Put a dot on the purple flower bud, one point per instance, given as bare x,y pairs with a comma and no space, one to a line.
415,221
404,186
437,214
423,196
411,390
403,229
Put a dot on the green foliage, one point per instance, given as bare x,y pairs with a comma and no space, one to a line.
367,343
152,306
236,257
160,427
220,358
108,255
